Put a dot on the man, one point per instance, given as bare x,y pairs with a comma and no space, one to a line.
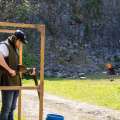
8,76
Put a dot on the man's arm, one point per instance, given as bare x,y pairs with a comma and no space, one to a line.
5,66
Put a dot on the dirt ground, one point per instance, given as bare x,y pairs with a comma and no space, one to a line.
71,110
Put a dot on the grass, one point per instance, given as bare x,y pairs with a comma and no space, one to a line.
16,117
95,89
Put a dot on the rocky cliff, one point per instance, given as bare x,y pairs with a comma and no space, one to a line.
81,35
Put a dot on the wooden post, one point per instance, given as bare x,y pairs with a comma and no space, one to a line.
19,100
42,44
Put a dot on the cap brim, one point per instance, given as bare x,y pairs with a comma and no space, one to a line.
25,42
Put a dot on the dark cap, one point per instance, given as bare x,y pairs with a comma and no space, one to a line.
20,35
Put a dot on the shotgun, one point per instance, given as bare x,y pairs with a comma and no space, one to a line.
28,71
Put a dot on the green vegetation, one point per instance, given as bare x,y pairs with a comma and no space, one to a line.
16,117
93,8
23,10
95,90
29,58
116,59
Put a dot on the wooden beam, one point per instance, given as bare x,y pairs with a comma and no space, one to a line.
18,88
20,105
6,31
19,25
20,95
42,44
20,54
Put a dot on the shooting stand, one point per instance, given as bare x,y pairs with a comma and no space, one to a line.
41,29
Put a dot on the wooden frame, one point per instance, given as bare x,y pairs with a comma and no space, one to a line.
41,29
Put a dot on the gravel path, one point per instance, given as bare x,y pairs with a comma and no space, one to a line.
71,110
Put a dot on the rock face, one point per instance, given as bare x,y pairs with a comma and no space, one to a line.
81,35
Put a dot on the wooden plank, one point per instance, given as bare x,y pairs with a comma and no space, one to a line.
20,54
20,25
6,31
19,106
20,98
18,88
42,30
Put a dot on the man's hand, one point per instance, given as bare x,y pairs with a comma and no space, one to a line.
12,72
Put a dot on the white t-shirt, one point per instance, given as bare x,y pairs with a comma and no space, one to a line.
4,50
